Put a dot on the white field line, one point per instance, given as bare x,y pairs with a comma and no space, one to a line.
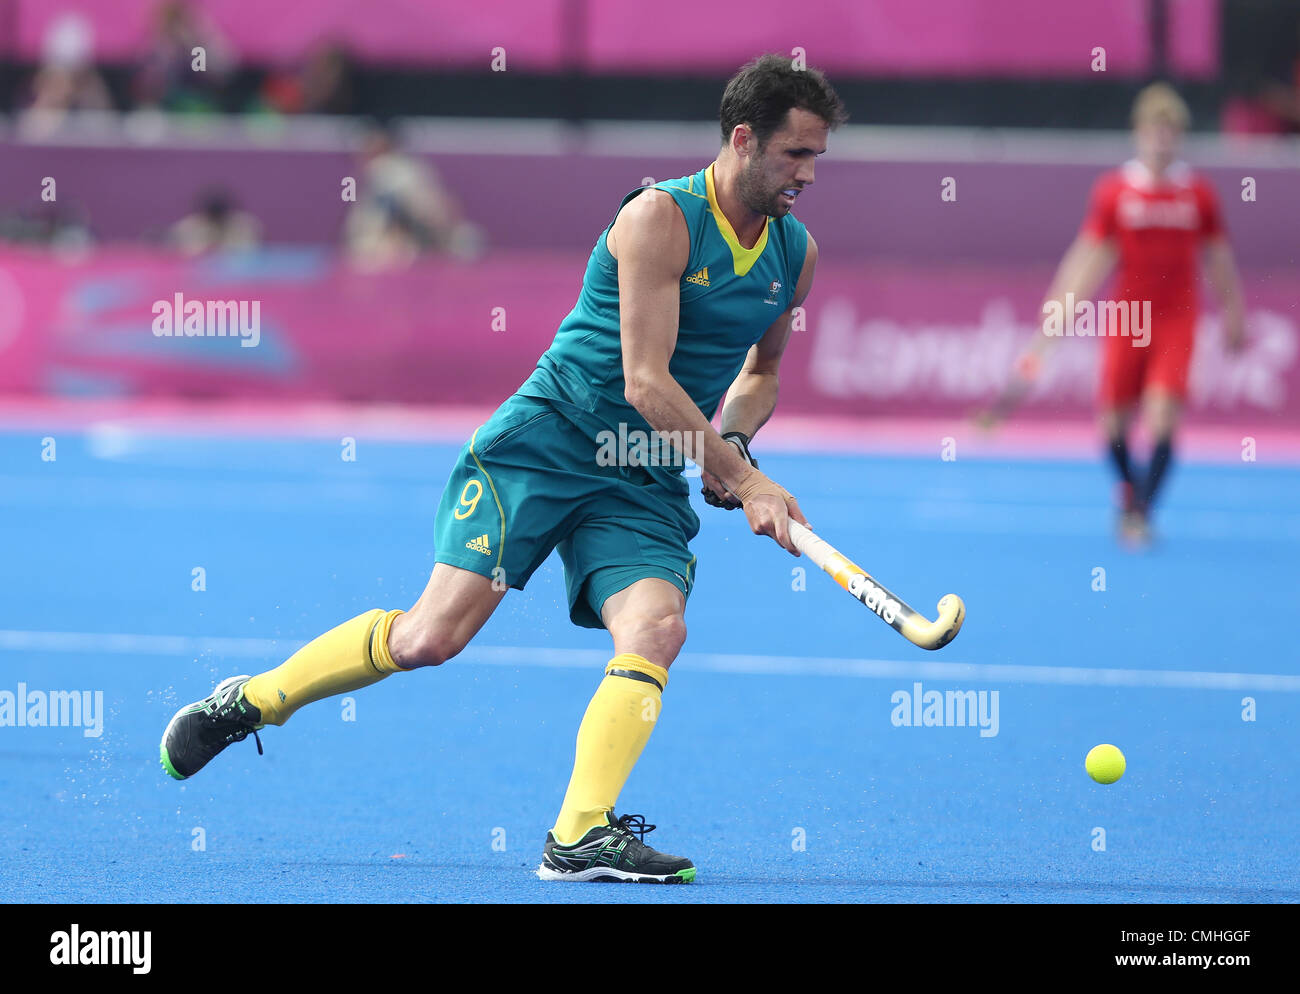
273,650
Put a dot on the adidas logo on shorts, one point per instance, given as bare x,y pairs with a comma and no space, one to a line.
479,544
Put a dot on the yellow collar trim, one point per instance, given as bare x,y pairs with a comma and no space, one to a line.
742,259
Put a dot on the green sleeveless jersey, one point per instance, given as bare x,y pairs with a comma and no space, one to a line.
730,296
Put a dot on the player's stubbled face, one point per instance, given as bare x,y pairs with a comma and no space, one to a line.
775,178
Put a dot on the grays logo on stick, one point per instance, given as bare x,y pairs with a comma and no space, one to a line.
872,596
878,598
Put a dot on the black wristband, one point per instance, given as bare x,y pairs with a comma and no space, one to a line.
743,440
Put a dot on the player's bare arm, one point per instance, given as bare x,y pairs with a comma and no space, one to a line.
1221,269
1084,267
650,241
751,399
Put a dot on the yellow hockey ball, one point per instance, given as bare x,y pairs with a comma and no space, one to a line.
1105,764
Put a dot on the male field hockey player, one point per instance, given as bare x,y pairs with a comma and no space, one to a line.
687,296
1160,221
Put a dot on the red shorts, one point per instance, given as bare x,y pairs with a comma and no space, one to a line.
1127,371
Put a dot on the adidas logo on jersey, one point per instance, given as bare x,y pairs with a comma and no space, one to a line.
479,544
701,278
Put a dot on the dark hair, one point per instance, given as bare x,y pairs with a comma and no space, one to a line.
215,203
765,90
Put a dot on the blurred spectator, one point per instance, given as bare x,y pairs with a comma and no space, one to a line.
322,86
67,79
167,79
61,227
403,209
215,226
1262,67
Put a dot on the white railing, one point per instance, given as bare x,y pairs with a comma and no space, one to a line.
505,136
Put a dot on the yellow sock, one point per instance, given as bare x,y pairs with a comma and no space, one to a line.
613,732
349,657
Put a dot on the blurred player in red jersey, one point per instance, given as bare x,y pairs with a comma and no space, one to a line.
1158,219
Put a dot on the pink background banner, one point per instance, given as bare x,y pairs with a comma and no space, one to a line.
425,32
1193,38
868,37
885,37
914,340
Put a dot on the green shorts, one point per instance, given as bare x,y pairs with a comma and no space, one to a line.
528,482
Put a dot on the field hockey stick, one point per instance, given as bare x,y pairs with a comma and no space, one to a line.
882,602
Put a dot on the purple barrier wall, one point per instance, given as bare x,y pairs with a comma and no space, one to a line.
867,37
910,340
132,193
1013,211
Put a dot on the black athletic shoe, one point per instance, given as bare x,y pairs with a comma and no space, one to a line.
612,854
199,731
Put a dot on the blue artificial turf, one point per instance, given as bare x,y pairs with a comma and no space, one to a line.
782,780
